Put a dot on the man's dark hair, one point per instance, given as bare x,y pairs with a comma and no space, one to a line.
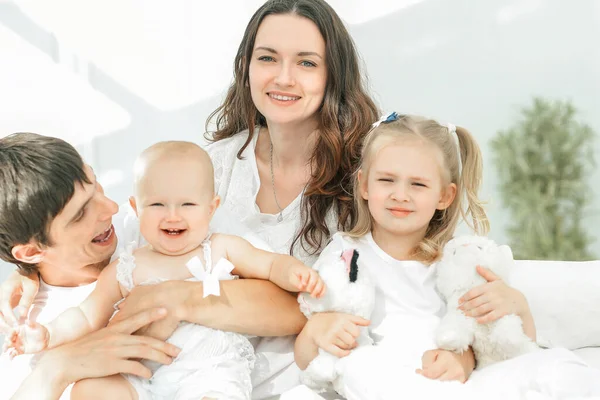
37,179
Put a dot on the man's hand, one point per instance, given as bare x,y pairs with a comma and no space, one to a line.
112,350
446,365
17,291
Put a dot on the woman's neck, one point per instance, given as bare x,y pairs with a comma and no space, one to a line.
293,145
399,247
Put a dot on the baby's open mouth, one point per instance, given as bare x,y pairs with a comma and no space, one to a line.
173,232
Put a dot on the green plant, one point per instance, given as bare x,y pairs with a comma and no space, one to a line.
543,163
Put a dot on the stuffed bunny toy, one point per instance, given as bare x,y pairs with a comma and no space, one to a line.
348,290
456,275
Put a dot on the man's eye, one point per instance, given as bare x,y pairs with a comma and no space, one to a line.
80,216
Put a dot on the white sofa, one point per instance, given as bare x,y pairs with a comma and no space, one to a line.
564,297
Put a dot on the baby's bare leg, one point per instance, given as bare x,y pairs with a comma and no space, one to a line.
110,387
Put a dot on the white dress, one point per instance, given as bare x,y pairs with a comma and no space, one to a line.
237,183
212,363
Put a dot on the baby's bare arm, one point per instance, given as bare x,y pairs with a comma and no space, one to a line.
92,314
251,262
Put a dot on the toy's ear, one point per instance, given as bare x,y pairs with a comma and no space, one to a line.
350,258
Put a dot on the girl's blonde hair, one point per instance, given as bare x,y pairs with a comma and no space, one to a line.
467,180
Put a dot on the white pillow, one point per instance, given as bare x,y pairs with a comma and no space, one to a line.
564,297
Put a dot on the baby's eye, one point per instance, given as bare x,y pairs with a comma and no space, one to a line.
156,205
419,184
385,180
189,204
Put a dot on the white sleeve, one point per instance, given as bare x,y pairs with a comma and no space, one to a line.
218,153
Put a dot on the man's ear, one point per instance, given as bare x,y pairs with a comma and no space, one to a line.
448,195
28,253
133,205
214,204
362,185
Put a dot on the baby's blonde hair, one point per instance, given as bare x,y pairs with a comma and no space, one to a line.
443,224
169,150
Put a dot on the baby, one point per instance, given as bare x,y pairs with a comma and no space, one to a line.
175,201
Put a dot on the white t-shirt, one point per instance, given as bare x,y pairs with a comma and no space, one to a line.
48,304
407,305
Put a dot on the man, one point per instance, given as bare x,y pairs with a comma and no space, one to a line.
56,221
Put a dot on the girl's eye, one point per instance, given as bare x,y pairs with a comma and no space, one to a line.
308,64
266,58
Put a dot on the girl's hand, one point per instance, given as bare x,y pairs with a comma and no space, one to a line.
16,291
493,300
445,365
27,338
335,333
306,279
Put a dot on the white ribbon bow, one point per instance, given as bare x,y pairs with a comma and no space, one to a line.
221,271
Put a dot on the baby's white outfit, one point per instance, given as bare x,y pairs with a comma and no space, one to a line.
212,363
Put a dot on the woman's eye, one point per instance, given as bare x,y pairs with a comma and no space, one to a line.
266,58
308,64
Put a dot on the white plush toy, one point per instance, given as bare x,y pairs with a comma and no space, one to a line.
456,275
348,290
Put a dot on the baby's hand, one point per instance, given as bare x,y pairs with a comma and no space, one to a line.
308,280
27,338
444,365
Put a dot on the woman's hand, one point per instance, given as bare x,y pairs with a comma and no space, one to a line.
167,295
493,300
16,291
445,365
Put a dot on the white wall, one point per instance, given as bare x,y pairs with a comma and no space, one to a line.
115,76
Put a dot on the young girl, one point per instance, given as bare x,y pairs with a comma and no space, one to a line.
175,201
410,192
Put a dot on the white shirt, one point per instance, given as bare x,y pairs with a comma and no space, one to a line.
48,304
408,307
237,183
